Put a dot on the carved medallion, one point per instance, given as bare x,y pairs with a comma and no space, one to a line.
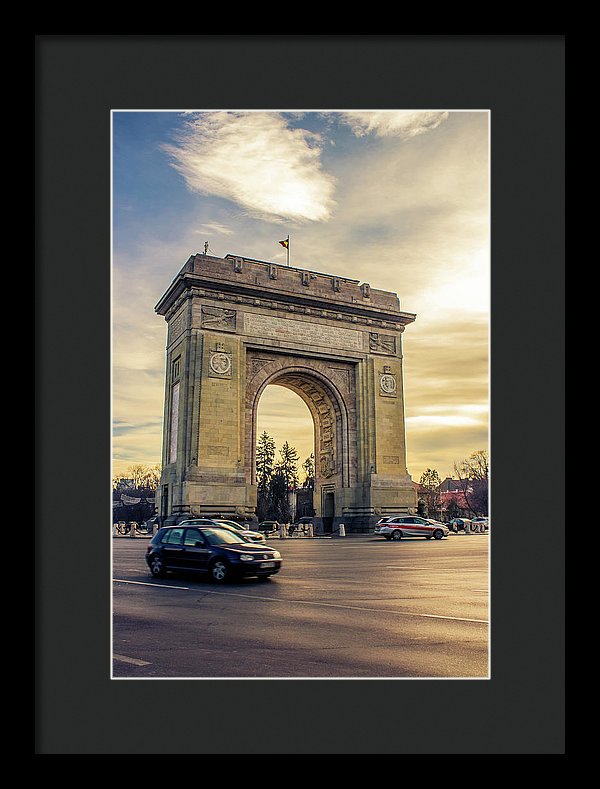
388,386
219,363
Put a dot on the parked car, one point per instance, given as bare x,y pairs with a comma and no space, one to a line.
268,526
480,524
396,528
214,550
459,524
253,536
225,524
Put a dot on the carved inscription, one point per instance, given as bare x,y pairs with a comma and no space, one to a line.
391,460
289,330
177,325
218,318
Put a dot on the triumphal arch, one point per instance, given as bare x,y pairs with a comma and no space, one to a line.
237,325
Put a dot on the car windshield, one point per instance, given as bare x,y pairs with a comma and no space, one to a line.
223,536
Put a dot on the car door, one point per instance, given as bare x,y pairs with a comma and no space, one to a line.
407,525
196,550
421,527
172,548
398,523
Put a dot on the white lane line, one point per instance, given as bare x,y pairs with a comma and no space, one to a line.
353,607
311,602
434,569
132,660
145,583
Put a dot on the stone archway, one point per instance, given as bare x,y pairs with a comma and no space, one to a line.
237,325
329,393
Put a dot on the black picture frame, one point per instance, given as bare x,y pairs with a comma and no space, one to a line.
79,80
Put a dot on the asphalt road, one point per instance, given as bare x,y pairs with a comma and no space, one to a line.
342,607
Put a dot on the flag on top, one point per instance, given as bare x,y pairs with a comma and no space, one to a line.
285,243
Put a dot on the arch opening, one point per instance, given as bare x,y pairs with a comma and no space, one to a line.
286,419
333,425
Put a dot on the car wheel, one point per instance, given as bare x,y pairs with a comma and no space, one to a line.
397,535
219,571
438,534
388,536
156,567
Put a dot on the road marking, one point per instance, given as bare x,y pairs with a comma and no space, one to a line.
311,602
435,569
352,607
132,660
145,583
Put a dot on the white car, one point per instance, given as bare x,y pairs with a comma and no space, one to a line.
396,528
246,534
253,536
480,524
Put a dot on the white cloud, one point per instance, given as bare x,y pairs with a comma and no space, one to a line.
214,227
440,421
393,123
256,160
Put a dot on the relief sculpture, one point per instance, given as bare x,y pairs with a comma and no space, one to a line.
218,318
327,465
382,343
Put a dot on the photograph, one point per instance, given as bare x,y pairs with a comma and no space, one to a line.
300,385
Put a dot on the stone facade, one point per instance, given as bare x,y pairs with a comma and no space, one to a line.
236,325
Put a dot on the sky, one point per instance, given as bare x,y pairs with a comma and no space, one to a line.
395,198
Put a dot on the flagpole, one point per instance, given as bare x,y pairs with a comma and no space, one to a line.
288,250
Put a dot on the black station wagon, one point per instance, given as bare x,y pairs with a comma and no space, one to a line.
218,552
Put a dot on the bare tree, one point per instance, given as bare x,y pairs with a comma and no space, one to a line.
430,481
473,473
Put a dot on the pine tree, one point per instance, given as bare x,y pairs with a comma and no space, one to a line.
309,472
265,459
288,465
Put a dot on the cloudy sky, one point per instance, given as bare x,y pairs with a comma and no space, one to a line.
399,199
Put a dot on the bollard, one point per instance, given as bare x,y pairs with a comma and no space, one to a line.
132,530
282,531
115,530
467,527
311,530
342,530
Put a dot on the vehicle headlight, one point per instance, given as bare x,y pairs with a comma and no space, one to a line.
246,557
276,555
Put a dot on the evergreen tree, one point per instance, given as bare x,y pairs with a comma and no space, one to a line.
288,465
265,459
309,472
